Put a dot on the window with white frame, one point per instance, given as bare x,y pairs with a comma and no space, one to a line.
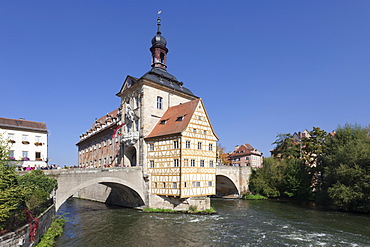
176,144
174,185
187,145
192,163
211,163
210,183
24,137
159,102
196,184
210,147
38,139
199,145
201,163
11,153
176,162
151,164
151,147
186,162
24,154
11,136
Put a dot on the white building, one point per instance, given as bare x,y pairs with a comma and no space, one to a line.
28,141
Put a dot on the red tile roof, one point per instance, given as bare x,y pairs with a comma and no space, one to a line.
243,150
170,124
21,124
107,118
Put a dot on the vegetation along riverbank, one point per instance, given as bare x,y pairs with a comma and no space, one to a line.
327,168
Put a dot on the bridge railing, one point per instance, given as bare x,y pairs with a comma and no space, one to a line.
84,170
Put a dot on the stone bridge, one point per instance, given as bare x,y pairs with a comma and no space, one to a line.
126,186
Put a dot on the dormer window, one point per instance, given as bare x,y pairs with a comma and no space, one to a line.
163,122
179,119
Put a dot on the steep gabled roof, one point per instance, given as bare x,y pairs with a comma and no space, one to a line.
128,83
243,150
21,124
170,122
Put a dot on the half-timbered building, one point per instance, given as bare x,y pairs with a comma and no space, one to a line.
182,152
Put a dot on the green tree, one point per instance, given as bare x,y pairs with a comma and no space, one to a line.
11,195
286,147
312,146
346,168
297,179
37,187
17,193
268,180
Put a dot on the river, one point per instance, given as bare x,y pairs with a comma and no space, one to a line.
237,223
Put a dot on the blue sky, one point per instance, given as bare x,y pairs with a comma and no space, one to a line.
261,67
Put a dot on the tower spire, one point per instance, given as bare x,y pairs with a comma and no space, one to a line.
159,25
159,49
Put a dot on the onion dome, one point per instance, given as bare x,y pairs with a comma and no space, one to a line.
159,39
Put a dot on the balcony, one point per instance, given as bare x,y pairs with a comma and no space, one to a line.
130,138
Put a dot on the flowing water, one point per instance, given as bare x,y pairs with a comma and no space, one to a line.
237,223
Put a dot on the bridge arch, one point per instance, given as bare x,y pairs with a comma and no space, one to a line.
225,186
132,196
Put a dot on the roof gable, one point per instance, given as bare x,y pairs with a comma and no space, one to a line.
175,120
128,83
244,150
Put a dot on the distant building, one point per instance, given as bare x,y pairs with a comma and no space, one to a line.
299,135
99,147
246,155
28,141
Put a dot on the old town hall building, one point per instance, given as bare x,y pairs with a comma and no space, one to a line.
160,126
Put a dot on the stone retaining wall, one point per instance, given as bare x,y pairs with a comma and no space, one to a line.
21,236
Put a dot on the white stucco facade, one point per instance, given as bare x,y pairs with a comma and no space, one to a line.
28,141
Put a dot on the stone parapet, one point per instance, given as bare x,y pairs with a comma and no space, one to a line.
21,236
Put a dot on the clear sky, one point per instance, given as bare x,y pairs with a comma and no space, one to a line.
261,67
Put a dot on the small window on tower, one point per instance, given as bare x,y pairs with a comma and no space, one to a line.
162,57
159,102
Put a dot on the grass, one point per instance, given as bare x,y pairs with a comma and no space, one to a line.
254,197
191,210
55,230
